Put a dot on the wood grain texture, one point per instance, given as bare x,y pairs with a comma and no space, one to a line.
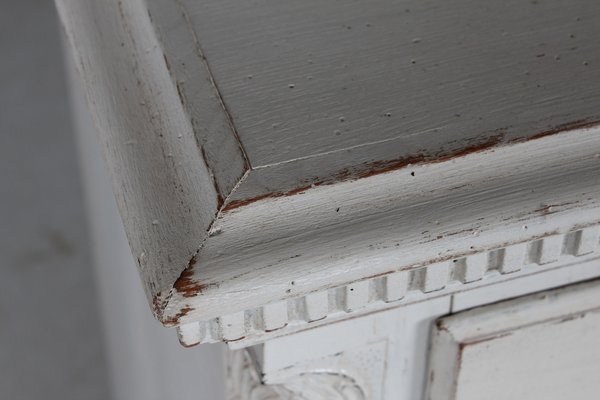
322,90
199,96
330,236
164,189
375,294
540,346
381,352
266,151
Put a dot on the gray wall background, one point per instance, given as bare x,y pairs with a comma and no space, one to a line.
50,331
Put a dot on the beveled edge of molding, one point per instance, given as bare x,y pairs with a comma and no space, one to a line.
392,290
451,335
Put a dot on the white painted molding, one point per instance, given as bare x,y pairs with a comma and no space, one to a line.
226,265
460,208
461,343
397,289
163,186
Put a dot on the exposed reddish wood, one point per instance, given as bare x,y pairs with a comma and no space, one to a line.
581,124
275,329
463,345
374,168
174,320
380,167
240,203
185,284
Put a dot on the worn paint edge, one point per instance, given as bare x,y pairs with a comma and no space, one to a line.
381,167
296,318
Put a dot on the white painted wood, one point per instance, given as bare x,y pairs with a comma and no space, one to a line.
264,196
355,350
188,159
191,334
232,326
375,357
434,277
513,257
521,284
587,240
199,96
472,268
274,316
331,305
144,362
356,295
548,250
386,232
162,184
316,306
540,346
276,108
396,285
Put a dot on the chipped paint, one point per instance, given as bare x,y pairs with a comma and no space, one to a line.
185,284
380,167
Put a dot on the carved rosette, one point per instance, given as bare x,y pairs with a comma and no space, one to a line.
244,383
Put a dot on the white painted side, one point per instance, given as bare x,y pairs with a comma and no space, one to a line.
553,361
375,294
316,306
540,346
369,263
162,184
513,257
396,285
274,316
472,269
144,361
521,285
435,276
356,295
550,249
232,326
587,241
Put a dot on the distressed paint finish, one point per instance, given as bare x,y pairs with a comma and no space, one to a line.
237,192
199,96
331,236
385,353
245,382
322,89
364,358
163,186
399,289
540,346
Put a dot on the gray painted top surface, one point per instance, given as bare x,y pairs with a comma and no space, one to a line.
354,82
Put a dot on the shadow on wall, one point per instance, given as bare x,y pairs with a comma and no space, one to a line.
50,340
51,336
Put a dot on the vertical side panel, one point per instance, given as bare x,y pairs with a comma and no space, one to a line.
165,193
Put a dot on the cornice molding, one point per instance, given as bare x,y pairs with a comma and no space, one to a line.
396,289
